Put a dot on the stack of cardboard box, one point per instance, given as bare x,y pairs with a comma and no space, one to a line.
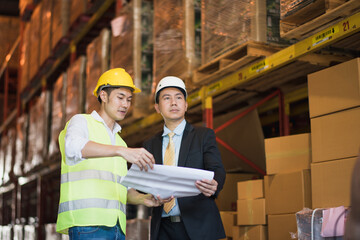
251,214
334,104
227,200
287,185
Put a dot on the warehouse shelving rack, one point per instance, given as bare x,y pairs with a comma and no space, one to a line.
339,35
345,28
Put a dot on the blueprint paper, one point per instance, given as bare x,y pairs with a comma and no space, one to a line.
166,181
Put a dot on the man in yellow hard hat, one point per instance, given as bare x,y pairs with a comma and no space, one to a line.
94,160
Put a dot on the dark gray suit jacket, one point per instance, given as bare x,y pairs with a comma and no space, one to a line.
199,213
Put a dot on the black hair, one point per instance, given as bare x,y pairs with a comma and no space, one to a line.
108,90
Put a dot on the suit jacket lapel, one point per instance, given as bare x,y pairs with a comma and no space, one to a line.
185,144
158,149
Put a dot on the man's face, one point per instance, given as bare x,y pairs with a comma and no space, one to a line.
117,104
172,104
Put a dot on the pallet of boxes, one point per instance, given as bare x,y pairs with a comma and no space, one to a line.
334,104
287,183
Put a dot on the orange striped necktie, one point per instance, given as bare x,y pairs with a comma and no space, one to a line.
169,159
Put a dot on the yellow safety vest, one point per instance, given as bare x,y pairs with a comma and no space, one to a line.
90,191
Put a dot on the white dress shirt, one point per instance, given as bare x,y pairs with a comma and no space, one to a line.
77,135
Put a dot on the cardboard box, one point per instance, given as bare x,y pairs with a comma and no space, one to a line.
281,227
288,153
226,201
251,189
251,212
229,221
287,192
331,183
258,232
336,136
335,88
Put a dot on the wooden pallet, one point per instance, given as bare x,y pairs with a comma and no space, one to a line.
316,17
232,61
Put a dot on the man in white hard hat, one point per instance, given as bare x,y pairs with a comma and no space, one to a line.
182,144
94,160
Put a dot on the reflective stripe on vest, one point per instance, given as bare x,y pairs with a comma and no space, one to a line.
90,174
91,203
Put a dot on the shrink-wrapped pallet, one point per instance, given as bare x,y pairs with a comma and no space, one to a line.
174,43
75,88
97,55
3,142
34,50
227,24
6,232
57,114
50,232
25,58
23,4
38,131
18,232
289,7
9,31
60,21
77,8
122,42
9,154
30,232
45,32
21,143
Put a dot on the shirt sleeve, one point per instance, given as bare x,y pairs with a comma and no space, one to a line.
76,137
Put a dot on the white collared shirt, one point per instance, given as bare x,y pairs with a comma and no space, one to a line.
77,136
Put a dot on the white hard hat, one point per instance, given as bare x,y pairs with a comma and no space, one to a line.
167,82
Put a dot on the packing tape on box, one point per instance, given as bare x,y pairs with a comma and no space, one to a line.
246,236
250,211
249,188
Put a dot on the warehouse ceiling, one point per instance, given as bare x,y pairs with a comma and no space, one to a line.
9,7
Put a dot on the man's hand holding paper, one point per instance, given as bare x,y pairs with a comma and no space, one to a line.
166,181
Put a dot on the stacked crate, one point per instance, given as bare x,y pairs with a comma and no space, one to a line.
59,21
3,143
97,55
287,185
9,31
132,49
45,31
228,219
9,154
227,200
38,131
74,102
227,24
334,104
251,214
174,39
24,58
77,9
34,42
20,143
57,114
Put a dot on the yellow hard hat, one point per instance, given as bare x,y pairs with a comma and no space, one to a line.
116,77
